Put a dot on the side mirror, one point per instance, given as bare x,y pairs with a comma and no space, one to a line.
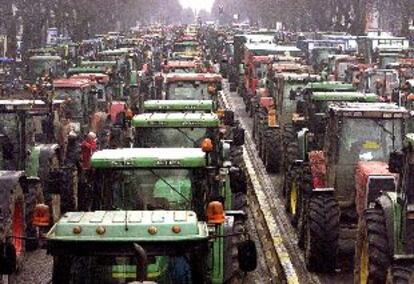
247,256
228,118
238,181
396,162
238,136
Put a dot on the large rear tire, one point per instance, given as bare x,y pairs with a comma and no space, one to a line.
232,272
273,150
321,233
290,147
400,275
372,256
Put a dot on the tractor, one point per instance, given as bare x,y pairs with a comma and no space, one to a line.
144,246
174,180
44,65
385,243
33,173
323,204
274,107
188,130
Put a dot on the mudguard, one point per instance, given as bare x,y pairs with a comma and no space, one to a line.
303,143
318,169
386,203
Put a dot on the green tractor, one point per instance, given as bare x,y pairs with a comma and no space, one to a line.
142,246
184,182
39,66
32,174
178,106
189,130
322,202
272,115
385,244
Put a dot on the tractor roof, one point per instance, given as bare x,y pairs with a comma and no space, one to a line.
191,77
115,52
187,43
271,47
98,63
72,83
176,119
86,69
330,86
45,57
299,77
98,77
149,158
128,226
178,105
181,64
344,96
369,110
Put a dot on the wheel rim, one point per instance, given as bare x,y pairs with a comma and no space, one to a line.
364,263
293,197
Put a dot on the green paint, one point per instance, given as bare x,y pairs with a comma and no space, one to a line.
176,119
333,86
32,167
82,70
176,201
149,158
137,224
178,105
344,96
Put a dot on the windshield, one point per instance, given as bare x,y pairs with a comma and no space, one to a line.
383,82
42,67
365,140
188,91
123,269
171,137
149,189
185,48
73,101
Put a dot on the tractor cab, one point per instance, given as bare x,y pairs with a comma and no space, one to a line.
45,65
192,86
171,179
360,139
186,50
101,84
79,101
178,129
181,66
383,82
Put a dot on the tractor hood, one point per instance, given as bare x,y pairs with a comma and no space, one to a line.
128,226
176,119
178,105
371,179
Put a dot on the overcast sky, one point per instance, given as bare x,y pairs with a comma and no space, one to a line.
197,4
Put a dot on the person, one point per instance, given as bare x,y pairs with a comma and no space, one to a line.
88,147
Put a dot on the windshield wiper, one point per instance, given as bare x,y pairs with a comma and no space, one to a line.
170,186
186,135
387,131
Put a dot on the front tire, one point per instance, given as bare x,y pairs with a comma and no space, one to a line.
372,257
321,233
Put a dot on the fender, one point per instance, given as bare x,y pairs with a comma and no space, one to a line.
386,204
303,143
318,168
